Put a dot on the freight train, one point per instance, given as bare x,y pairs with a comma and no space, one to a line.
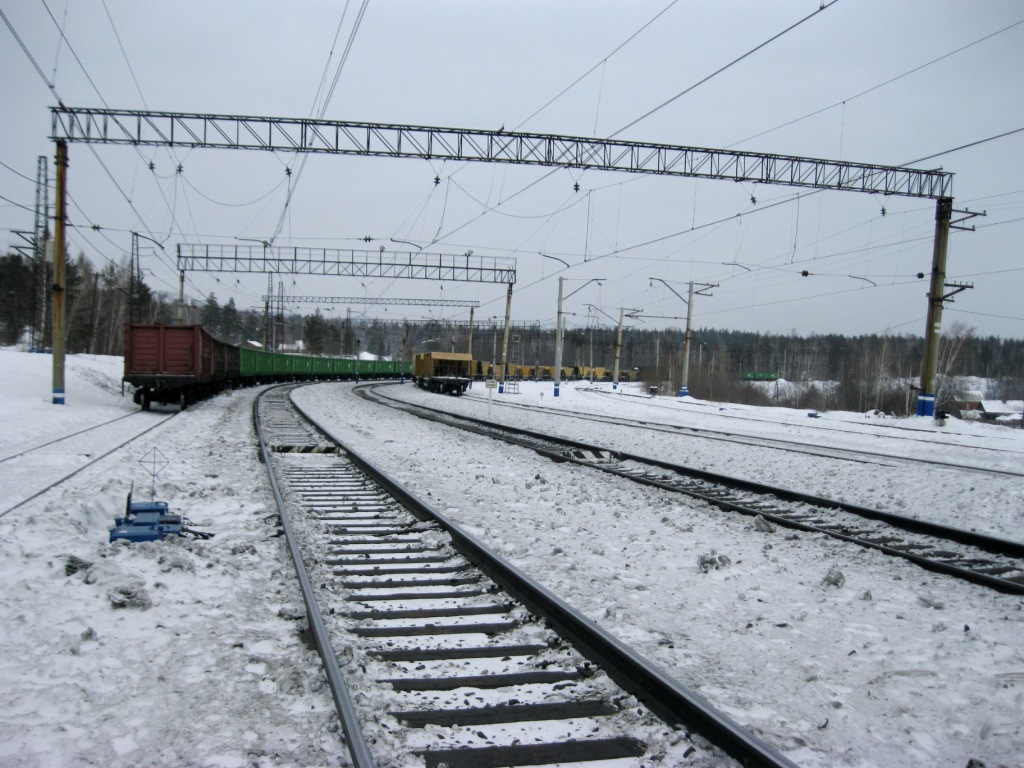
516,372
453,373
183,364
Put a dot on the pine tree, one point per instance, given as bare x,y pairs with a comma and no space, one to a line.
211,316
315,334
231,323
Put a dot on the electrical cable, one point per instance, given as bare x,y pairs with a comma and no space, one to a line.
124,53
965,146
983,314
623,44
330,55
575,82
494,209
293,183
19,205
19,173
824,6
56,55
876,87
31,58
73,53
234,205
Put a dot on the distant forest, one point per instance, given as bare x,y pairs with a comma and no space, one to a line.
858,373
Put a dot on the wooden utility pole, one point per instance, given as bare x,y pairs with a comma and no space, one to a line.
684,389
937,296
930,361
59,274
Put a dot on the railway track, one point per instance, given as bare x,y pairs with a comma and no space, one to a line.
861,455
800,447
437,649
977,558
28,468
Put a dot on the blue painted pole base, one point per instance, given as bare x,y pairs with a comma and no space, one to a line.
58,397
925,404
615,385
501,387
556,390
683,391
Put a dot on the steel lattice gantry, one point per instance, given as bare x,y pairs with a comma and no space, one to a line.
351,263
194,130
148,128
377,301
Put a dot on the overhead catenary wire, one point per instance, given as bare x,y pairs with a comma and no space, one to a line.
438,237
876,87
965,146
88,77
31,58
293,179
95,154
19,205
603,61
103,165
823,7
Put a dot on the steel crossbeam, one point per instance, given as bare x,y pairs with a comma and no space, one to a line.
351,263
378,301
147,128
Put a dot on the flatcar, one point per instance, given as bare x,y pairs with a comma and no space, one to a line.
183,364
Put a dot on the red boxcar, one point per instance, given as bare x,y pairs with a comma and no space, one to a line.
176,363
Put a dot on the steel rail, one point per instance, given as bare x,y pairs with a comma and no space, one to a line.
68,437
784,444
990,544
354,737
664,696
85,466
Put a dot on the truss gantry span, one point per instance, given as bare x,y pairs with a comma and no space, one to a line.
148,128
376,301
197,257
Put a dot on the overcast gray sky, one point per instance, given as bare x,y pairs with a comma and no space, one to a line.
493,64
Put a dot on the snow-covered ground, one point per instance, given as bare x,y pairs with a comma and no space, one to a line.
214,672
896,667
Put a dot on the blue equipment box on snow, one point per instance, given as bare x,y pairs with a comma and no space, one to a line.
146,521
150,521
